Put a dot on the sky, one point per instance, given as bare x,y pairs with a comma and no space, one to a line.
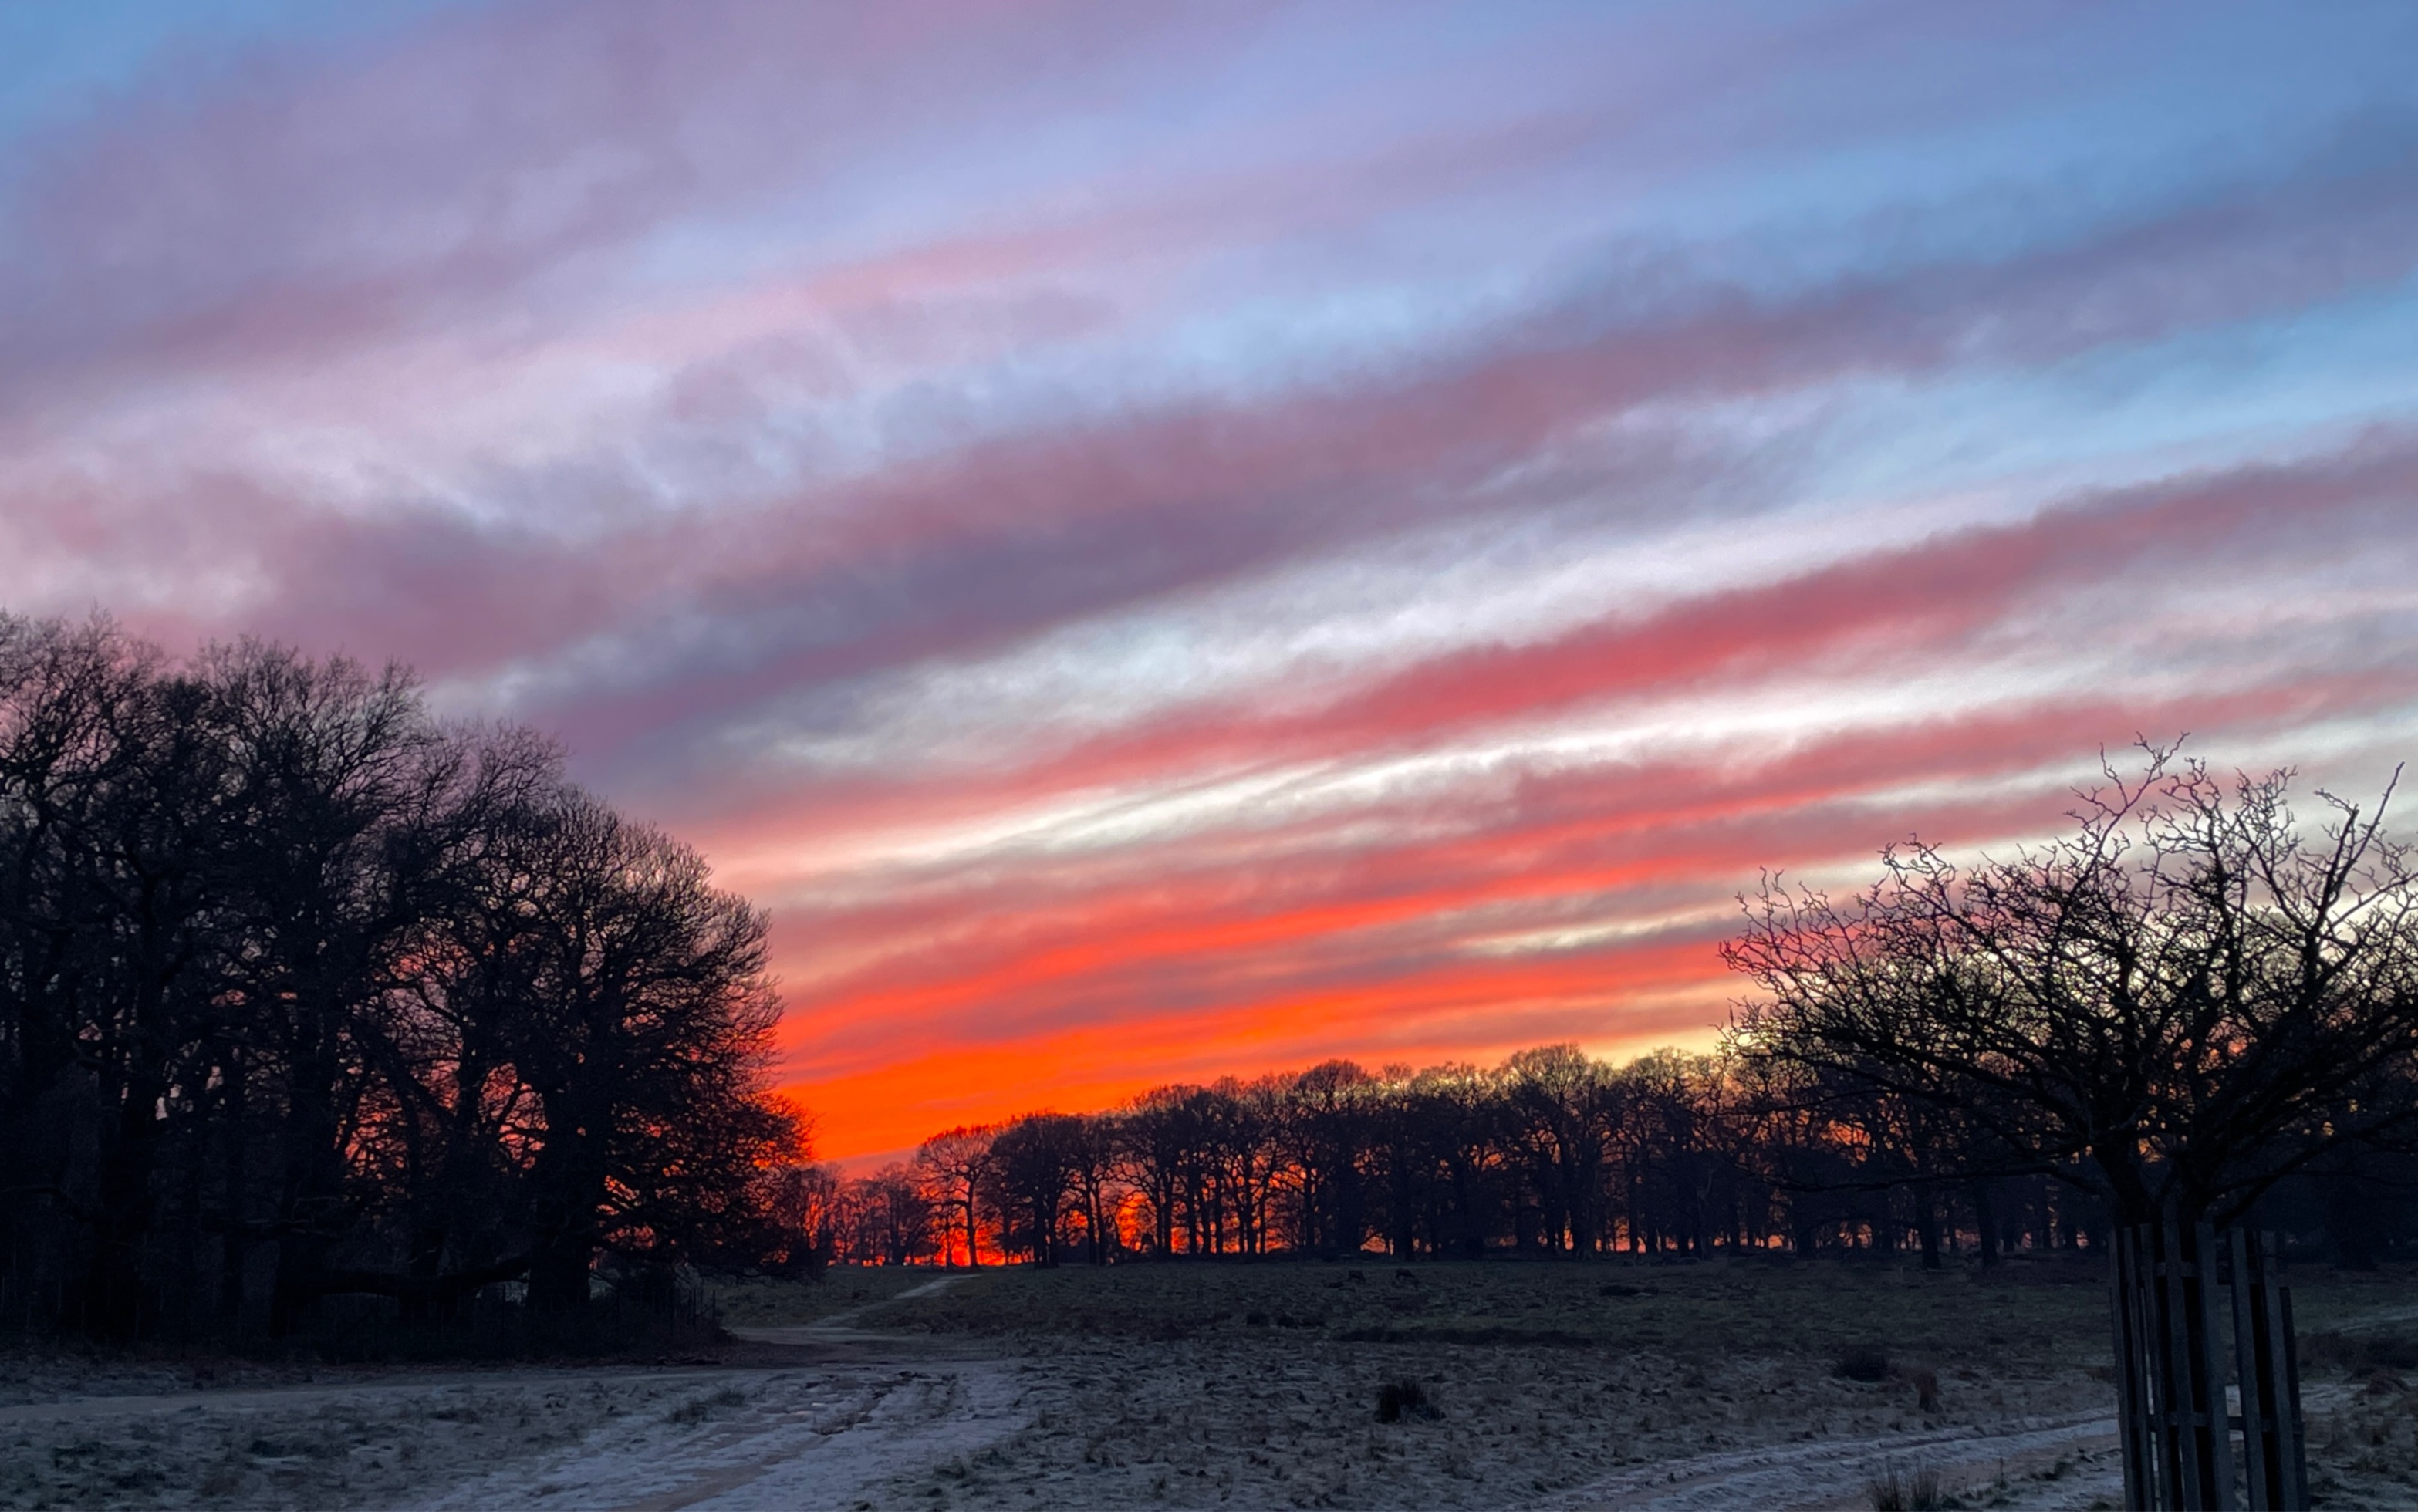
1169,541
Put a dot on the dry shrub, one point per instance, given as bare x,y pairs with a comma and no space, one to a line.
1917,1491
702,1408
1399,1399
2358,1353
1862,1362
1926,1389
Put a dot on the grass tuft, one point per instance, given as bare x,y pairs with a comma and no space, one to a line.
701,1407
1917,1491
1399,1399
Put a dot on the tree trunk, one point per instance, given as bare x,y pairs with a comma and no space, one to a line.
236,1148
570,1180
557,1275
1985,1221
114,1303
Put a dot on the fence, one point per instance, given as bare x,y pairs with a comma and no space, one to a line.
2191,1438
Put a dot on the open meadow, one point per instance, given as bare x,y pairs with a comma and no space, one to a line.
1358,1383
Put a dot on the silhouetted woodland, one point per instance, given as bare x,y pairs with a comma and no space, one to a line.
1552,1153
2196,1001
304,993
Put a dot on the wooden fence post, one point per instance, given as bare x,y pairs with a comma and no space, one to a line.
2135,1406
2258,1417
2175,1424
2211,1440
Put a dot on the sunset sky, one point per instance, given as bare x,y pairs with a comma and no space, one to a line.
1164,541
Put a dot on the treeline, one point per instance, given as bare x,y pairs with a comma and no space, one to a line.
303,992
1553,1153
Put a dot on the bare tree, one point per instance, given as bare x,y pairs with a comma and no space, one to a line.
1091,1165
1155,1151
1323,1123
2190,999
892,1216
286,964
954,1164
643,1019
1564,1111
803,1202
1033,1163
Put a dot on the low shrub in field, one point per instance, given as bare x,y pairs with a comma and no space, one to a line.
1919,1491
2358,1353
1862,1362
702,1408
1926,1389
1399,1399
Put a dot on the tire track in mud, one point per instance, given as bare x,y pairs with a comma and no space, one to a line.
913,1423
823,1438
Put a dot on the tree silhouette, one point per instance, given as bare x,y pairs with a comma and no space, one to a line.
2188,1001
287,965
953,1164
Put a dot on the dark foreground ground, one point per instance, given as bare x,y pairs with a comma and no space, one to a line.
1573,1386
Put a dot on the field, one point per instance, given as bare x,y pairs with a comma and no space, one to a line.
1573,1386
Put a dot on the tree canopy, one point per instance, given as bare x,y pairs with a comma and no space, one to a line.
2195,995
303,991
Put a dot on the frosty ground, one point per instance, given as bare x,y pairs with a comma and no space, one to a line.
1563,1386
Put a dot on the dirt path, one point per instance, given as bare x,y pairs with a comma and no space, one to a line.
838,1332
823,1415
823,1438
819,1435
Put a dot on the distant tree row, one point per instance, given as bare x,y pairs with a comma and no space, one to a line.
2198,1005
303,993
1553,1153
